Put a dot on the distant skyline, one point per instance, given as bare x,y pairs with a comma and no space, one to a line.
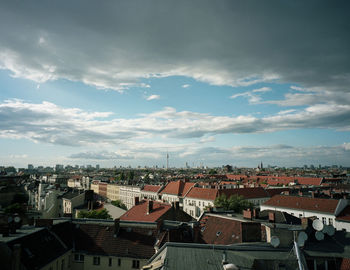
126,82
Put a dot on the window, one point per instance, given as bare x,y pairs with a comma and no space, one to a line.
110,262
119,262
78,257
199,203
300,215
330,221
96,261
136,264
324,220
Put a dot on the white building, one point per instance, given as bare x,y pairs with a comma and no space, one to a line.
325,210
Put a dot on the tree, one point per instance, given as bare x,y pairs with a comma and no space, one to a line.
235,202
213,171
97,214
118,203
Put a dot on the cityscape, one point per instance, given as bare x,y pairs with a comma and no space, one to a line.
172,135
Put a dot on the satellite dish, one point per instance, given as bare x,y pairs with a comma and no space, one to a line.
275,241
331,230
17,219
319,236
317,225
303,236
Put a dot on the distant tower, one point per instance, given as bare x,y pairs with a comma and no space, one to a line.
261,165
167,160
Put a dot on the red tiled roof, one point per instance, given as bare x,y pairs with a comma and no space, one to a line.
139,212
275,191
202,193
224,231
303,203
151,188
99,239
247,193
179,188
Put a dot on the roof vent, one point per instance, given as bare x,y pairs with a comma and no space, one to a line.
218,233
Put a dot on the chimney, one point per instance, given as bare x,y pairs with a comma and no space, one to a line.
247,214
312,194
149,207
116,226
136,200
272,217
196,232
304,222
255,213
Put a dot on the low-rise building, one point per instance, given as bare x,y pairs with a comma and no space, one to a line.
151,192
113,192
127,195
325,210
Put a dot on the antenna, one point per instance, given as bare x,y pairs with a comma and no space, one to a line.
317,225
275,241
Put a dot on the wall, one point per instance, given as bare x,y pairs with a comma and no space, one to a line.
125,263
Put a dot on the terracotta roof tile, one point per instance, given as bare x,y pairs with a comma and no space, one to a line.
139,212
303,203
99,239
202,193
179,188
247,193
151,188
225,231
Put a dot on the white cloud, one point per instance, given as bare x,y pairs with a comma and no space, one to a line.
185,85
49,123
153,97
252,97
346,146
262,90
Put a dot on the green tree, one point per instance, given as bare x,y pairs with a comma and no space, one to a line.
97,214
118,203
235,202
213,171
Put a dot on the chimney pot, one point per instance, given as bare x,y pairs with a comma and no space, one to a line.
149,207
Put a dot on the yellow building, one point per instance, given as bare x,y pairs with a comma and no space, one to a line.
113,192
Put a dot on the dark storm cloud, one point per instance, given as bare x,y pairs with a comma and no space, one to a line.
117,43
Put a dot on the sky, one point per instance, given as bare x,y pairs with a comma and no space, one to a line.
120,83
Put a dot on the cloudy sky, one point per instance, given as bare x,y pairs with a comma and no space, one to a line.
209,82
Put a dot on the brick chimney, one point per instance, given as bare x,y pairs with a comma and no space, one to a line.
116,226
136,200
196,232
149,206
272,217
247,214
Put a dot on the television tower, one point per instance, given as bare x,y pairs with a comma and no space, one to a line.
167,160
